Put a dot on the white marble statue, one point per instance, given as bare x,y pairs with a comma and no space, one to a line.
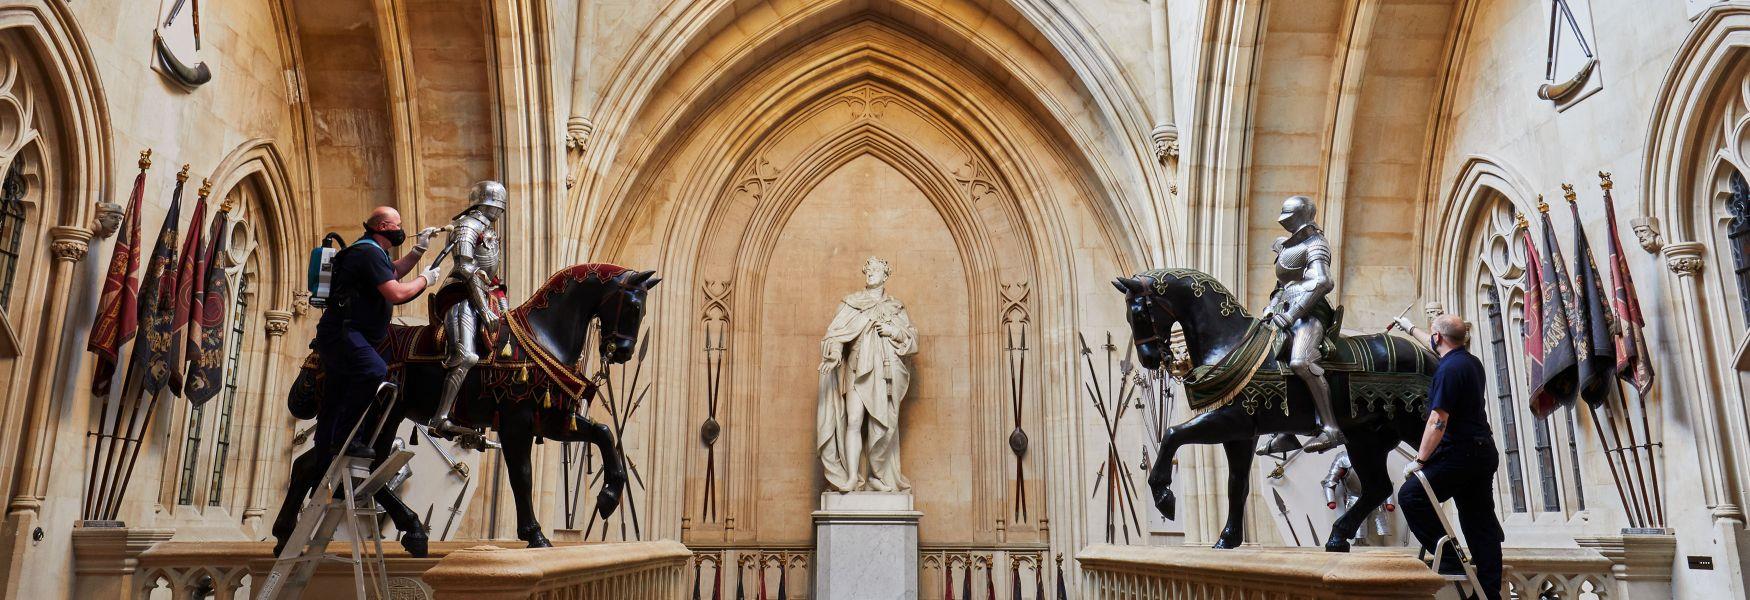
863,380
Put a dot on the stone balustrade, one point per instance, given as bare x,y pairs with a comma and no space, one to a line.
1178,572
1557,573
144,565
622,571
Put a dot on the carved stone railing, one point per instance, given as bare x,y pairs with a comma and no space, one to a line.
1556,573
622,571
1178,572
140,564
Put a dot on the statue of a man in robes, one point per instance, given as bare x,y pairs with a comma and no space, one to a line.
863,380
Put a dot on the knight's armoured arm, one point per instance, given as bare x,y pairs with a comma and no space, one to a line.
1317,283
1331,480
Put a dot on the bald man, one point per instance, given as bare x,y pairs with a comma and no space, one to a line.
1458,457
366,285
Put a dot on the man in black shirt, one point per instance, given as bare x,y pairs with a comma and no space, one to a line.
1458,457
366,284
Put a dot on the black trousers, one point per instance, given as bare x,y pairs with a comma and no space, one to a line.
1464,472
351,371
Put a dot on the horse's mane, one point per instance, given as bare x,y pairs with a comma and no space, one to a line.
1199,282
602,272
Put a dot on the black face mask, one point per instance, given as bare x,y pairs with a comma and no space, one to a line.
1432,343
395,236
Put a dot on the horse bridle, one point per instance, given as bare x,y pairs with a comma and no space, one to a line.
1154,336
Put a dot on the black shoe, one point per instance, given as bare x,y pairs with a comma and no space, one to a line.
359,450
1450,565
416,542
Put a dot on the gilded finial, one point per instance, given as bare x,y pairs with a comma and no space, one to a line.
145,159
206,187
230,201
1568,192
1519,219
1604,180
183,176
1542,207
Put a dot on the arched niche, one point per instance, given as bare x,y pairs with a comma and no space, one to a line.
717,200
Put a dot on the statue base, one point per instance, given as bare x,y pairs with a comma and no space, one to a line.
866,546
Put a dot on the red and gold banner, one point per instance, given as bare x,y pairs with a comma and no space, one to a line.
117,307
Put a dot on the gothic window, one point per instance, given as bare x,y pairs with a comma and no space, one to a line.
1504,398
1738,234
11,229
1541,457
191,444
228,402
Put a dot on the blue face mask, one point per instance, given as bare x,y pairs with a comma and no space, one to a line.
1432,343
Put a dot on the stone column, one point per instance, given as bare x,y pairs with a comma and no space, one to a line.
68,245
278,322
1165,135
1686,260
578,127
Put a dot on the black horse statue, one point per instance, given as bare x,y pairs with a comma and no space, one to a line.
1240,387
526,385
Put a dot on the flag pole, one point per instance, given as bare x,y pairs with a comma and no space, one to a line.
1597,425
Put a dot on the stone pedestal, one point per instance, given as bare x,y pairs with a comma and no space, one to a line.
866,546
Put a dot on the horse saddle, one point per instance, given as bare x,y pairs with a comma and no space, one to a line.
491,340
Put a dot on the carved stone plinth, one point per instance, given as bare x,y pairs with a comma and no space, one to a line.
105,559
866,546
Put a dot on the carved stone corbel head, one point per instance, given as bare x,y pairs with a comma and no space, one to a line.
1647,233
108,219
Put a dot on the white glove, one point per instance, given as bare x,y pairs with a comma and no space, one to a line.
1411,468
422,240
431,276
1404,324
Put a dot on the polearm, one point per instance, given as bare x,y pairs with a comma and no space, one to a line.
1615,477
1282,509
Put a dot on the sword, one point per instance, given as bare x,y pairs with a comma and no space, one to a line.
1282,509
456,466
455,509
298,439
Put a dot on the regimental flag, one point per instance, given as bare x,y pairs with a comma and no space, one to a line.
1015,582
1632,363
740,592
696,575
152,353
1593,344
1062,592
1554,375
117,309
966,580
990,582
783,580
947,581
206,337
190,286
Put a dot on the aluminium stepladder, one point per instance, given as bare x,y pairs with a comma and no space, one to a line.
344,496
1451,537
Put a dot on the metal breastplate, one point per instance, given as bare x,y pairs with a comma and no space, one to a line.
1293,257
486,253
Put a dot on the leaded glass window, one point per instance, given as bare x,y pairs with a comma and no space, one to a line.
12,191
191,445
1738,234
228,403
1574,461
1504,397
